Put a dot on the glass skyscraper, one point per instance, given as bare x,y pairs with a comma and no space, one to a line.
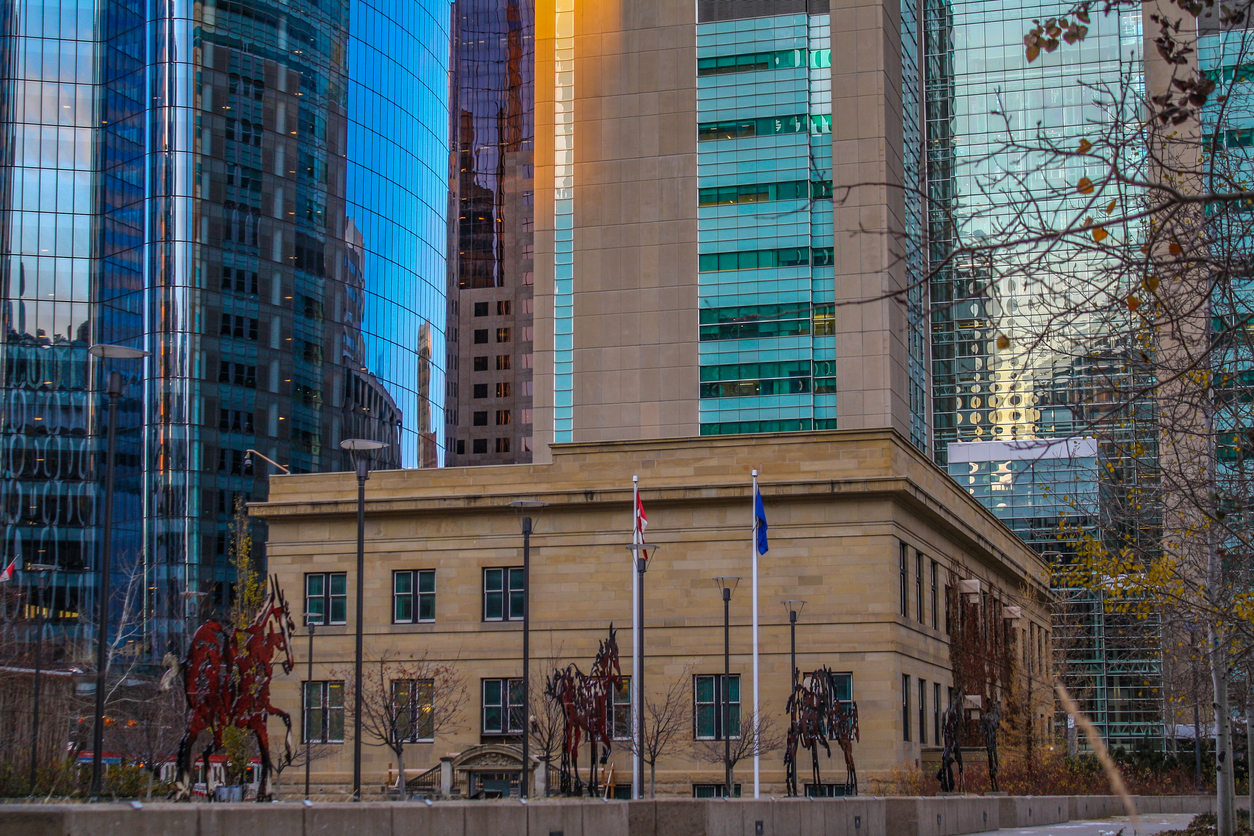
255,194
1009,418
492,270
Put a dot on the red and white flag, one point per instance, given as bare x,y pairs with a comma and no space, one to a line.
642,522
9,572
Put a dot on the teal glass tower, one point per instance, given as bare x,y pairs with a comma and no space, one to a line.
253,193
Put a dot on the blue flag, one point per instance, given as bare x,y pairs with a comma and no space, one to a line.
760,513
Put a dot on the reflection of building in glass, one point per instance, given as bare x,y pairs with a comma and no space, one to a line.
1108,660
489,410
985,396
269,226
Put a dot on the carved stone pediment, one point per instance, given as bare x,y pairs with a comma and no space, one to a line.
492,756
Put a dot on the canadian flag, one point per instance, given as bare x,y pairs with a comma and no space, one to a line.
642,523
9,572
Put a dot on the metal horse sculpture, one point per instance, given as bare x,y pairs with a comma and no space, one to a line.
584,700
226,679
952,733
989,725
818,716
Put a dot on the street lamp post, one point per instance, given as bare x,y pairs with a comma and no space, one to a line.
43,569
106,352
304,731
522,506
638,550
727,584
361,449
795,606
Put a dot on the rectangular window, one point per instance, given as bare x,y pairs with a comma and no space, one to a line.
503,594
413,700
905,707
502,335
842,686
713,790
922,711
504,362
502,706
708,706
905,593
502,417
935,590
480,391
504,307
481,308
479,419
620,710
481,364
481,336
479,445
503,389
323,711
326,598
918,587
502,445
413,596
936,713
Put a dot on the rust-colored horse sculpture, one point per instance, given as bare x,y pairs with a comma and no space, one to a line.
585,700
226,679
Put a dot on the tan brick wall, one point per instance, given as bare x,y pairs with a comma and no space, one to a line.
837,503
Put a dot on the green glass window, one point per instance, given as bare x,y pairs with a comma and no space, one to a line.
502,706
753,259
503,594
742,128
708,719
413,592
824,321
781,426
752,62
755,193
326,598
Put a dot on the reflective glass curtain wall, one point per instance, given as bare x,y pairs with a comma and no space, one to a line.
976,72
252,192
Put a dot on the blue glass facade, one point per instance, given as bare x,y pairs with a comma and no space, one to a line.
764,168
254,193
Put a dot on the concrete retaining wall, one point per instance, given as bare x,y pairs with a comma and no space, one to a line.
949,816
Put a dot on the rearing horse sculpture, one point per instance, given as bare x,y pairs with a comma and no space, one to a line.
584,700
226,679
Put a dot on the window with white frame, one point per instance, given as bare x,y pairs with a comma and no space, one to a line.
502,706
620,710
503,594
323,712
326,598
413,702
413,596
710,724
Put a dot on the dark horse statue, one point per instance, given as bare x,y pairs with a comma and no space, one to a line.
952,733
818,716
585,700
226,679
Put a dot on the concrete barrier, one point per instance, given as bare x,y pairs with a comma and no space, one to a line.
863,816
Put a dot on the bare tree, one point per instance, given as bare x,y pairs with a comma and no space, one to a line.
667,718
305,753
769,738
406,701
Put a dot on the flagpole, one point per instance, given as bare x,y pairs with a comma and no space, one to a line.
636,714
757,764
